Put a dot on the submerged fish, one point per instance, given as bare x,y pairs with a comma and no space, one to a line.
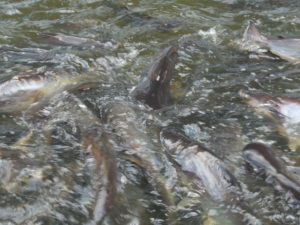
62,39
12,55
97,142
263,158
153,89
141,19
138,146
284,110
287,49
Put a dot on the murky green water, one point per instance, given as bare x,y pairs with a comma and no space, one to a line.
51,178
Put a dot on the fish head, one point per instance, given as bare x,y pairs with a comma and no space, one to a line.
262,158
162,68
153,90
177,143
264,103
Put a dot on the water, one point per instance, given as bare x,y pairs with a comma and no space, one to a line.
49,178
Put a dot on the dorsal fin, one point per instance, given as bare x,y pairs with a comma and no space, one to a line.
252,34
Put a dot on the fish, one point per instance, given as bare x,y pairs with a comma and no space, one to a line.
207,172
13,55
137,146
263,158
18,92
194,158
154,88
98,143
285,111
128,16
22,91
63,39
285,48
144,19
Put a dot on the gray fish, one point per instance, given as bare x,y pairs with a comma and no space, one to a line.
195,159
62,39
263,158
153,89
13,55
284,110
208,172
21,91
287,49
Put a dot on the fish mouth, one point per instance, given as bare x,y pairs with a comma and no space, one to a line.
162,69
172,50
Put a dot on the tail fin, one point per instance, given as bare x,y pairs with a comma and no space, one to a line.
252,34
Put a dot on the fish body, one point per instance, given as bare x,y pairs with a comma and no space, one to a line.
95,140
263,158
26,55
284,110
153,89
135,18
62,39
21,91
204,166
138,147
24,89
287,49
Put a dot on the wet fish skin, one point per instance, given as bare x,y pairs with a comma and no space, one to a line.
12,55
153,90
263,157
62,39
33,89
284,110
142,19
287,49
195,159
97,141
208,171
22,90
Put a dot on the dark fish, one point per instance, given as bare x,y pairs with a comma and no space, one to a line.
263,158
153,90
95,140
141,19
287,49
205,167
284,110
144,19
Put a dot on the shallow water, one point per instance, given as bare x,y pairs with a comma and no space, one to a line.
50,177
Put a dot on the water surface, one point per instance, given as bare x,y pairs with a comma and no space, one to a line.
51,178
